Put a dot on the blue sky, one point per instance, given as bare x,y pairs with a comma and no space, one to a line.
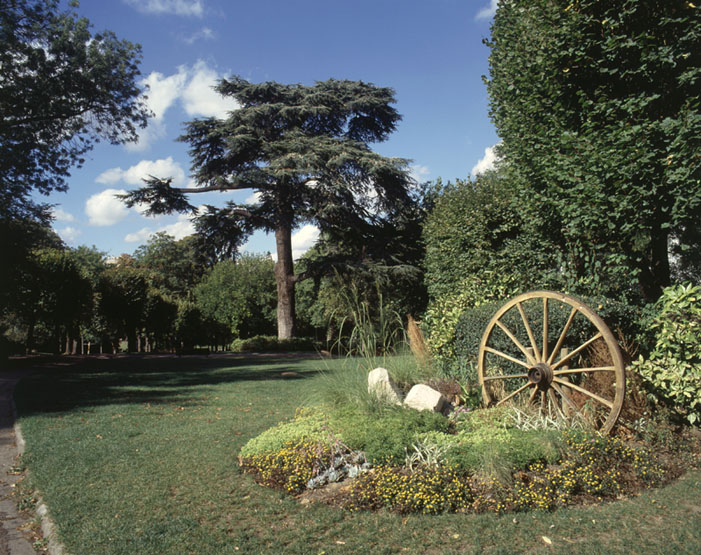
429,51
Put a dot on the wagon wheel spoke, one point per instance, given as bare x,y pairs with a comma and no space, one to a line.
507,357
513,394
580,370
529,331
583,346
532,396
555,402
561,392
545,328
563,334
505,377
543,402
516,342
594,396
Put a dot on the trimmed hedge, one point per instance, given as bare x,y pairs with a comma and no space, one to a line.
271,344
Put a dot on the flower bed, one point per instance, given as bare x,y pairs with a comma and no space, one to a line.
482,463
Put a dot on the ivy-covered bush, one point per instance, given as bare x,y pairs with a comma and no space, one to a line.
673,368
444,313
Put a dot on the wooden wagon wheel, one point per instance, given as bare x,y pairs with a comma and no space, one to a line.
551,350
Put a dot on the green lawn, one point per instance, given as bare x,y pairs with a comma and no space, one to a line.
138,455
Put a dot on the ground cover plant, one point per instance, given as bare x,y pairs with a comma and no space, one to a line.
138,455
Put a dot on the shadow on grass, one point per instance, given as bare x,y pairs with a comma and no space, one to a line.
59,384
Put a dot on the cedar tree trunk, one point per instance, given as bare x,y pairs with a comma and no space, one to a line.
284,277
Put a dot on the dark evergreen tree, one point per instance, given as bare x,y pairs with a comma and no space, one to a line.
304,151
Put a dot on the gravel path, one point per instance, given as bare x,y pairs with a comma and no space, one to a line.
12,540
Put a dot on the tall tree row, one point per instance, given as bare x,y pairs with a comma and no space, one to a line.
598,108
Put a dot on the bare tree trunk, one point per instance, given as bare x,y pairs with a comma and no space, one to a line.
655,273
284,276
30,335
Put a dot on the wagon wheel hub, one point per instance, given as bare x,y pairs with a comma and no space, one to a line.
541,375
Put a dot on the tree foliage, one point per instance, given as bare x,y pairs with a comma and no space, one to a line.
240,295
477,230
175,266
62,88
598,108
304,151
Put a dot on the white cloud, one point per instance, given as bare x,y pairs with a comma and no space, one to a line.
140,236
180,229
487,11
200,99
487,162
255,198
105,209
163,168
176,7
69,234
203,34
419,173
303,240
162,92
193,87
61,215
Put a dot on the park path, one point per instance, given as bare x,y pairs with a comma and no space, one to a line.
13,540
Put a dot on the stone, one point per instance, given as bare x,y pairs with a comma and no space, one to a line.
380,383
423,397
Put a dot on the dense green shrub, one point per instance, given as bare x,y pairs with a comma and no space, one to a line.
477,228
385,438
673,368
271,344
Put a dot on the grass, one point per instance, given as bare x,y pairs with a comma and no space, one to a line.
138,455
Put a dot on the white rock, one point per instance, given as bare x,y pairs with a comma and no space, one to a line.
423,397
380,384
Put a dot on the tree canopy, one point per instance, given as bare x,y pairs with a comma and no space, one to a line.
62,88
598,107
304,151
